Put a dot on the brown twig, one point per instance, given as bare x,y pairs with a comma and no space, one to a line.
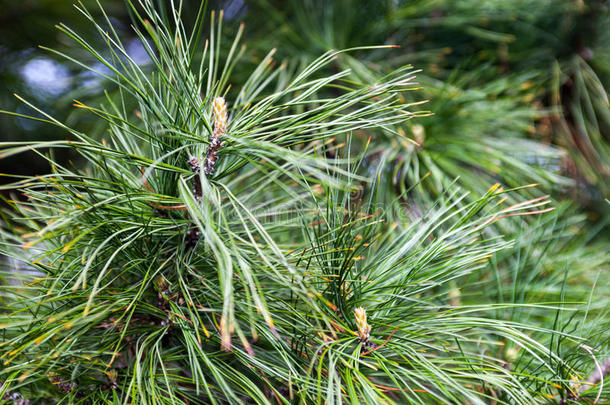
195,167
381,345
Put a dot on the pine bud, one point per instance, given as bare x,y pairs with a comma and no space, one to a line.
220,128
220,117
364,329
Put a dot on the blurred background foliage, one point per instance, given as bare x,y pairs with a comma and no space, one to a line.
36,74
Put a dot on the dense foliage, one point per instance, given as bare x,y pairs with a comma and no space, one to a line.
333,227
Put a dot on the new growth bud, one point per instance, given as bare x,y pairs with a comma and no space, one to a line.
364,329
220,117
220,128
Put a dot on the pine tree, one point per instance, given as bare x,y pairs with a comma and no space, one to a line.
304,231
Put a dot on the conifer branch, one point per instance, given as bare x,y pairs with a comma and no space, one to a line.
219,107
